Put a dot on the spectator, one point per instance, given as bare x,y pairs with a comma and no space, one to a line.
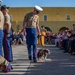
20,38
72,41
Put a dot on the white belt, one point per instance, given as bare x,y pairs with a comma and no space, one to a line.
30,27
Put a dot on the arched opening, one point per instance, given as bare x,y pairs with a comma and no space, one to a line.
48,29
63,28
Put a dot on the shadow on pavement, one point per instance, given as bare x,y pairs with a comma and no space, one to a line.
58,63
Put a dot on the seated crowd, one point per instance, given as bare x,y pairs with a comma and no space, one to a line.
17,38
49,38
66,41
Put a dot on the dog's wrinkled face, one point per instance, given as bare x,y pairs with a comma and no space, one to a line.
2,67
40,53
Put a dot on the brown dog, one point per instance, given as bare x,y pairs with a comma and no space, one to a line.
43,53
4,65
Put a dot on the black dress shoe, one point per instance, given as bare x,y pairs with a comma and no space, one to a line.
30,58
34,61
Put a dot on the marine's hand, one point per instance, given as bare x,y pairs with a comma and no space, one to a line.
8,35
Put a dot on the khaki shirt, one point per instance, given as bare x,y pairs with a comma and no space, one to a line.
7,21
1,20
31,20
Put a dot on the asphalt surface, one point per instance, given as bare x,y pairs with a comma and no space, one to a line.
57,63
20,63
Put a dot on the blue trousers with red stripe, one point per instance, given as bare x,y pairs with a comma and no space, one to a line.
1,42
31,40
7,48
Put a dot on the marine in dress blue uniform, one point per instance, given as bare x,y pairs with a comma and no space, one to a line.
31,25
1,31
7,32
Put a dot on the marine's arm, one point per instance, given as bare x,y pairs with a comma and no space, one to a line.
37,26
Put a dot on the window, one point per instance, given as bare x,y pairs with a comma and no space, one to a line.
68,17
45,17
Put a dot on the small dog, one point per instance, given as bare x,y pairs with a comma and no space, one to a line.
43,53
4,65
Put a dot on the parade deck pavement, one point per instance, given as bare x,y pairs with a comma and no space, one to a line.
57,63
